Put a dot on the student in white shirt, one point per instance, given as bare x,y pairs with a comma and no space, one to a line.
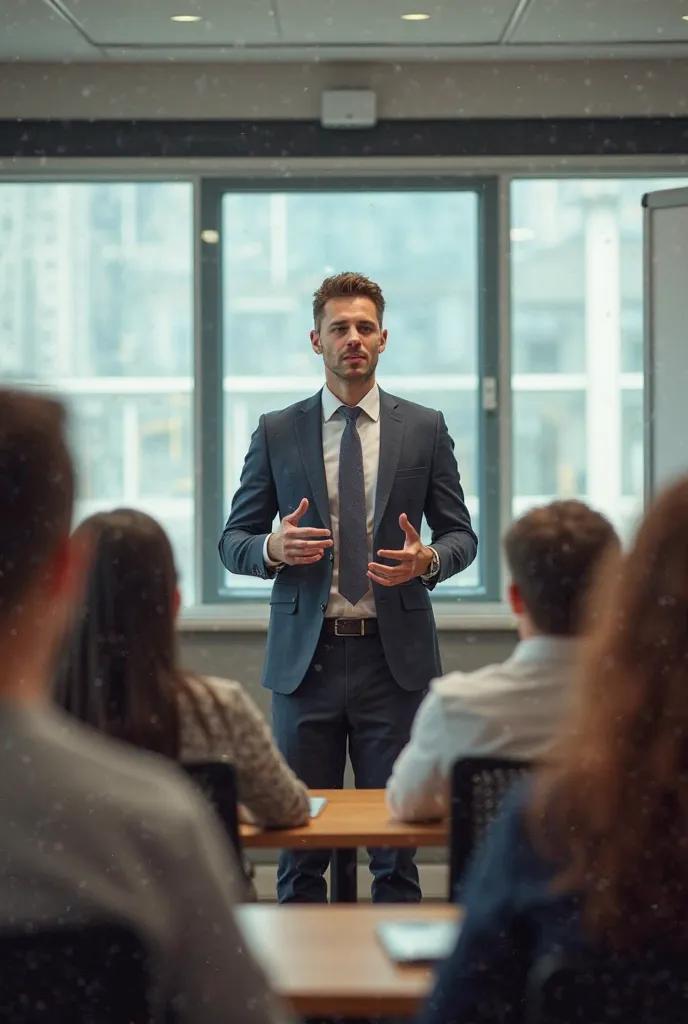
510,709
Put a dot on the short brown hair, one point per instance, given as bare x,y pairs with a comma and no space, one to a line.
554,553
343,285
36,489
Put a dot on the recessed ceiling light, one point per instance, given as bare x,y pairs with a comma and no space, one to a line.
415,17
685,17
188,18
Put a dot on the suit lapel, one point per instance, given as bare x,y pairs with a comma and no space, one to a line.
309,435
391,437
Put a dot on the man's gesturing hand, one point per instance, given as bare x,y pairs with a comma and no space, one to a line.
292,544
414,559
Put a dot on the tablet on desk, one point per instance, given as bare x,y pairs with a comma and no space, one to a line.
317,803
418,942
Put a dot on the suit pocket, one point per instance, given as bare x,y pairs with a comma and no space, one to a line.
284,598
415,473
415,599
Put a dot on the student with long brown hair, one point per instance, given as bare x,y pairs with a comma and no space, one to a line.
592,855
121,675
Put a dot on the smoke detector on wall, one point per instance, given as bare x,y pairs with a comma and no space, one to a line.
348,108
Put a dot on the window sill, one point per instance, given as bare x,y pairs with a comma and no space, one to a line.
253,618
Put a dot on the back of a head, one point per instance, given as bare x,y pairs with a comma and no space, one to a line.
617,786
37,483
119,671
554,553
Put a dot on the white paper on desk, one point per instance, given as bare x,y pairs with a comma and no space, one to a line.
317,803
419,942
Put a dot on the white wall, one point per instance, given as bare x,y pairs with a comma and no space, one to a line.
259,91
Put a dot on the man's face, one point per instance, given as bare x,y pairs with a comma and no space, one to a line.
350,338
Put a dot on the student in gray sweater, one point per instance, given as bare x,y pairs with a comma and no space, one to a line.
92,830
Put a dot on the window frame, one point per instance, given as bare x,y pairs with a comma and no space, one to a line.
467,615
209,382
579,170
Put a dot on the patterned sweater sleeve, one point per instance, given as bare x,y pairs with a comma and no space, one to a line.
266,785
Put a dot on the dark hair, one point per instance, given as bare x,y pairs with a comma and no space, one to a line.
119,672
616,788
342,286
37,483
554,553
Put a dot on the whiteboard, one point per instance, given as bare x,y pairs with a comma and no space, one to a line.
666,337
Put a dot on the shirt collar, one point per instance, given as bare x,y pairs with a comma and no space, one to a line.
370,403
547,648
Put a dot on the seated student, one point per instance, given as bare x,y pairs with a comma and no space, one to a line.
512,709
591,855
91,830
121,674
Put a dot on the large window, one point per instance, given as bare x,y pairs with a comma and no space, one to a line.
421,246
96,299
577,342
169,331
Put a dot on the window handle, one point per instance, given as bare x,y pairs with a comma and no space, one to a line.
489,394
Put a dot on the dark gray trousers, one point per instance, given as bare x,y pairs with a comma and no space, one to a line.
348,699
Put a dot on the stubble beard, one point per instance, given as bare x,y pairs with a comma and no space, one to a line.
342,371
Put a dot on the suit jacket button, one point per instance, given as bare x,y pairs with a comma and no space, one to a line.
323,607
331,557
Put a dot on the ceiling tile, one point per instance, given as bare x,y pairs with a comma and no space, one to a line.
31,30
602,21
380,22
148,23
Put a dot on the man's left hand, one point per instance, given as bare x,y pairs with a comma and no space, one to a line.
414,559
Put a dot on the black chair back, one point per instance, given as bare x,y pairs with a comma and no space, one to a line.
90,975
479,784
606,990
217,781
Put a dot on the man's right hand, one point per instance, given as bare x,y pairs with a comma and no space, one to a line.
292,544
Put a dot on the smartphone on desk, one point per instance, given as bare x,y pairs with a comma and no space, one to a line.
418,942
317,803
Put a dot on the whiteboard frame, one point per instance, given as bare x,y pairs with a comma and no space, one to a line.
663,199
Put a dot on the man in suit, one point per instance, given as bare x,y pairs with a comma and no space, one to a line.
352,642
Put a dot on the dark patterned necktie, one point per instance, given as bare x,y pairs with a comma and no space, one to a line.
353,528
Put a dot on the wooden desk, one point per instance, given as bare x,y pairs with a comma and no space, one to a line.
351,818
328,962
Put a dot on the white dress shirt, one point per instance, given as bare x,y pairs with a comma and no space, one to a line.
507,710
368,426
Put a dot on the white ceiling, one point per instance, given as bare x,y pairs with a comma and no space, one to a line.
82,30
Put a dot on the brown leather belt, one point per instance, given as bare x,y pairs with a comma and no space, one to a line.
351,627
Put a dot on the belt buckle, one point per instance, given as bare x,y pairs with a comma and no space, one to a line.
349,632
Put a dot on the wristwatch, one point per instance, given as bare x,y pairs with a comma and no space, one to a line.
434,567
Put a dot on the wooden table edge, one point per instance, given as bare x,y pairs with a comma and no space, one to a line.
396,835
354,1006
290,839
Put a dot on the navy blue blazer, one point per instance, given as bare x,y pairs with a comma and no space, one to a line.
417,474
513,917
